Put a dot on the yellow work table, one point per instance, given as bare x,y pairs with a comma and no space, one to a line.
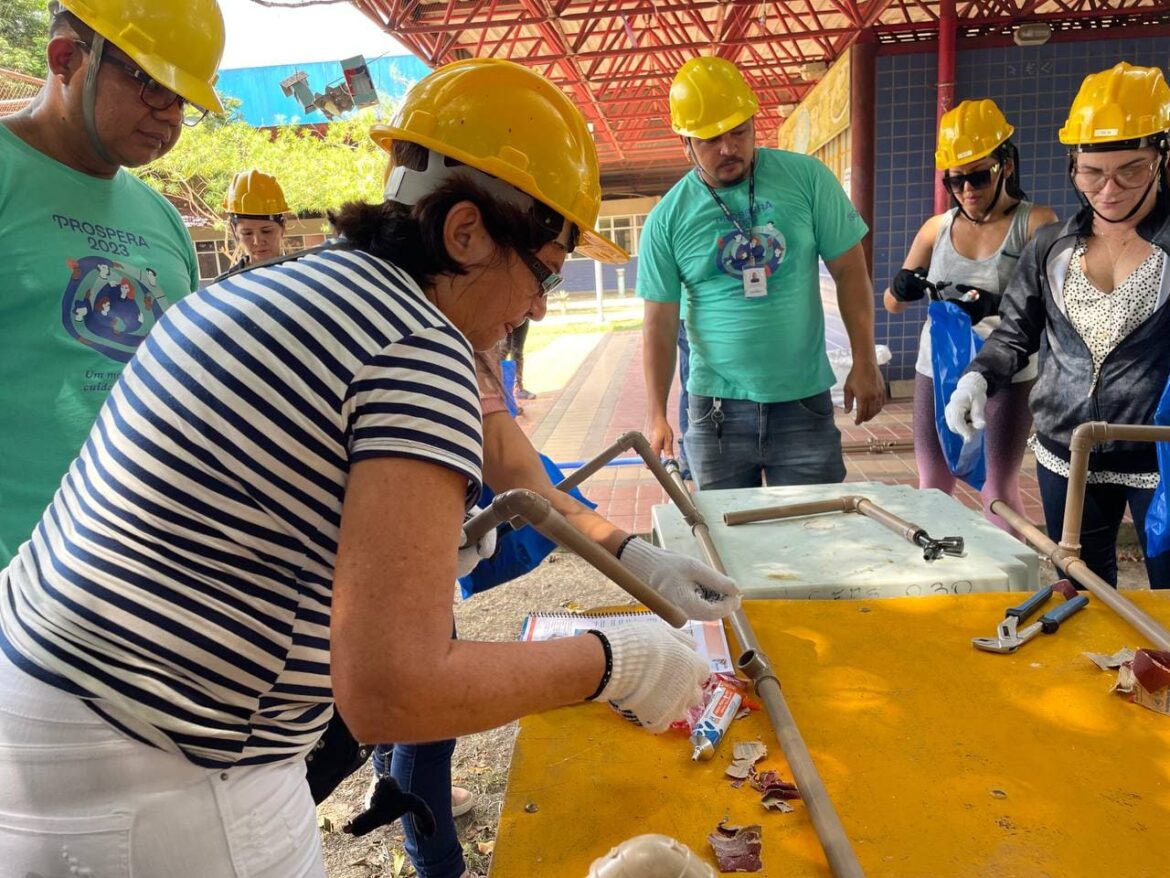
942,761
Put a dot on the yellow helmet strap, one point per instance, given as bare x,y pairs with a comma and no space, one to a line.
89,98
408,186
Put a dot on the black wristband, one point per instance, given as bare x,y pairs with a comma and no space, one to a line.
624,543
608,664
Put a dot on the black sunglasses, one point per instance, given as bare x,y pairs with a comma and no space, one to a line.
548,279
975,179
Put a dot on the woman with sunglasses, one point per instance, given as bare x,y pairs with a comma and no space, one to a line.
266,517
976,243
1091,297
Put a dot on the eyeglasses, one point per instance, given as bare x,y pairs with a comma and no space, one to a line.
548,279
153,93
1132,176
975,179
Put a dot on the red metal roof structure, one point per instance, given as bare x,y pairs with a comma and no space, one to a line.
616,58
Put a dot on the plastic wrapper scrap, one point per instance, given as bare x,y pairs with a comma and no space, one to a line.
743,687
737,848
1147,678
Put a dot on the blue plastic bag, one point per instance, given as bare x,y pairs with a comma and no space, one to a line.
508,385
1158,515
517,551
953,344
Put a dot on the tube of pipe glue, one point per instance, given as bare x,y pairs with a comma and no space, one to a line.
714,721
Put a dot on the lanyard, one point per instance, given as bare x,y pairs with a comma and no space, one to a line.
727,211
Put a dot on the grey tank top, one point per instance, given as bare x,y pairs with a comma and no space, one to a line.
992,273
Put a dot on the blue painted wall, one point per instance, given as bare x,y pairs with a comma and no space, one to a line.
264,103
1033,86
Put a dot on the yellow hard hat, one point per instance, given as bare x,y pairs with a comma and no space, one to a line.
254,193
1122,103
513,124
969,132
709,97
177,42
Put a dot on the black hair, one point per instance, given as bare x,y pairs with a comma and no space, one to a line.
412,236
1003,153
61,21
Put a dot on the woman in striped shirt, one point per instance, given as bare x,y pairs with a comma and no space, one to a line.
265,520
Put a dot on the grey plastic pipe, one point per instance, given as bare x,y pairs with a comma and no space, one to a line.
1071,564
1084,437
528,507
847,503
831,833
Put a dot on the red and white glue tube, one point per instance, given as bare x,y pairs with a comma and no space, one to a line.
714,721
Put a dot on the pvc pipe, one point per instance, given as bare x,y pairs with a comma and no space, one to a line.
848,503
1084,437
530,508
831,833
1072,565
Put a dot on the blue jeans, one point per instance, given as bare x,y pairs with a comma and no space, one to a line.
425,770
736,443
1100,521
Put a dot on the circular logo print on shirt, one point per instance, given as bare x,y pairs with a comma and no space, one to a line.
109,306
764,247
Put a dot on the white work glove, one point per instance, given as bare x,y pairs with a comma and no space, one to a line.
470,556
964,411
698,590
657,676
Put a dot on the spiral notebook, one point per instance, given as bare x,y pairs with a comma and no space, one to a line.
710,639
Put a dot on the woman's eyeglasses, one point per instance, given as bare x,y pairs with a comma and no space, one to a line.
975,179
152,93
1132,176
548,279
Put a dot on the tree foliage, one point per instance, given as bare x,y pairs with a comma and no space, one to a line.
318,169
24,32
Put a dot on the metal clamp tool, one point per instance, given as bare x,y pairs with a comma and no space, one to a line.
1009,637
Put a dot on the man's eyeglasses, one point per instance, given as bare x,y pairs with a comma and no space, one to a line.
548,279
1132,176
152,93
975,179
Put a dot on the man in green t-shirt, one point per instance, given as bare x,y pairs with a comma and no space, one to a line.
740,237
92,256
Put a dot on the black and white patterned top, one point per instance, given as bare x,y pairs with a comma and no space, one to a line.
1103,320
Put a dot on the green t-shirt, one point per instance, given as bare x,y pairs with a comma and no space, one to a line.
766,349
88,266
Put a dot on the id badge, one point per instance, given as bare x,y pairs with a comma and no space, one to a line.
755,282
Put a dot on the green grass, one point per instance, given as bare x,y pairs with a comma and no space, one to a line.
542,334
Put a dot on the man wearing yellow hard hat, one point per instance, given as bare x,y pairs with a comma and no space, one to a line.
92,256
1095,291
256,207
738,241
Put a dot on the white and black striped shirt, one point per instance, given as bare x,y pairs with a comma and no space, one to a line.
180,581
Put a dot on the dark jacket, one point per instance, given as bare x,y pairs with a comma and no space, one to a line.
1133,375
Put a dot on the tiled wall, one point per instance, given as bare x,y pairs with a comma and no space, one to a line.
1034,87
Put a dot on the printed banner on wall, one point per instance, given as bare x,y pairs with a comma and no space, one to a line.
822,115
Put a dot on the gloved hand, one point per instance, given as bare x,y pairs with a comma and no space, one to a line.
470,556
698,590
657,675
964,411
388,803
976,302
910,285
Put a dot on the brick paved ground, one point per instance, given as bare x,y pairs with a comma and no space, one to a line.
590,391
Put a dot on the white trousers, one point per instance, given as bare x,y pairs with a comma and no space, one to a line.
80,800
